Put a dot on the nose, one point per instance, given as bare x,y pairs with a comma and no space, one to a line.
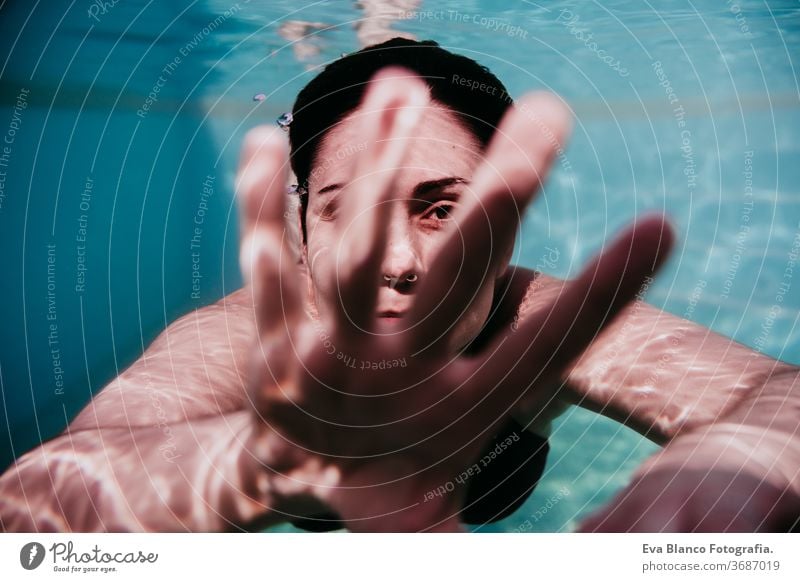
401,265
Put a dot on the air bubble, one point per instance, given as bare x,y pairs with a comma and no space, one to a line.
284,121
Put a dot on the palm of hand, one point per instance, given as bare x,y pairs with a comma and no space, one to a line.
334,424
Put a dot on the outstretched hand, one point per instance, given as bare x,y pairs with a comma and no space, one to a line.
361,415
727,477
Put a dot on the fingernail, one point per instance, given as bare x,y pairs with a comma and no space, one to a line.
415,102
408,117
245,259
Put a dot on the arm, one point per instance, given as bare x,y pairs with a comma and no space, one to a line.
727,415
132,460
663,375
738,474
119,479
196,367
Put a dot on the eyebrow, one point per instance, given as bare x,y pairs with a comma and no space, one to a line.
330,188
420,190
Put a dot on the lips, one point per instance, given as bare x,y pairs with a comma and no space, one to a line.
390,314
389,320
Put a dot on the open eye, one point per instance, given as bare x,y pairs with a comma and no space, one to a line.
443,211
438,213
328,211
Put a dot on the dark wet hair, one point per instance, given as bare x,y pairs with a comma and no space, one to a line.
339,88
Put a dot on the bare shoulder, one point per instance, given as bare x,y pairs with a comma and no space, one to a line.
530,290
196,367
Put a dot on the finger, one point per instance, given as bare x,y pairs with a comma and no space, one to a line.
550,339
483,231
387,118
265,258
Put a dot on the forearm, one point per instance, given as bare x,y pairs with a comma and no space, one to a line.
660,374
774,405
196,368
197,476
663,375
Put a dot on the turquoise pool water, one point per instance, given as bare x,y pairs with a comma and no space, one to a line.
691,108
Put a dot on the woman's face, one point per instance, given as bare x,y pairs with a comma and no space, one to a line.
439,165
